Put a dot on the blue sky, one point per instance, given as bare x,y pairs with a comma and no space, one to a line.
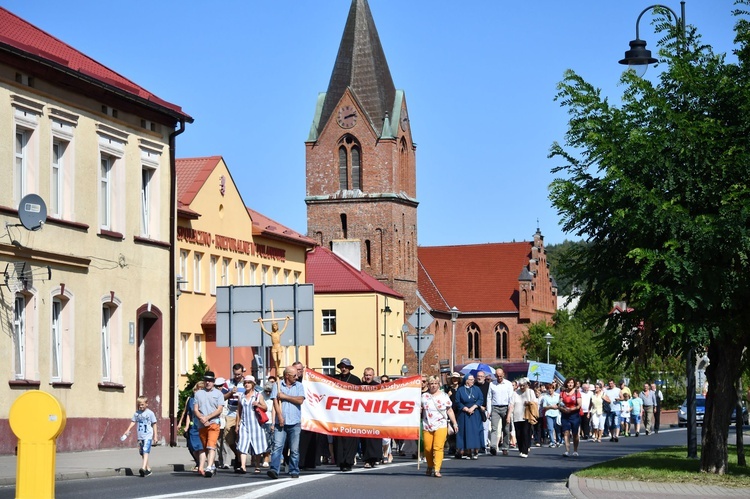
479,76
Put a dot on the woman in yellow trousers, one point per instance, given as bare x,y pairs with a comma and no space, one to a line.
436,416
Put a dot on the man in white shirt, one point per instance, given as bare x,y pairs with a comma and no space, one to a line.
612,396
586,396
500,394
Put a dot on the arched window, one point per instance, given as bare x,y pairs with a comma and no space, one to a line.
472,336
501,341
344,228
343,169
368,253
350,163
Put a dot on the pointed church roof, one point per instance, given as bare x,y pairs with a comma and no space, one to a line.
362,67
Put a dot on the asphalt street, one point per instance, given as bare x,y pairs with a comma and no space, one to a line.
543,474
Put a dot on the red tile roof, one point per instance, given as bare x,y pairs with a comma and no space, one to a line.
192,173
26,38
209,318
264,226
474,278
329,273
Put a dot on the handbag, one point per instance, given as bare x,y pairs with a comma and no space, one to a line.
261,415
483,414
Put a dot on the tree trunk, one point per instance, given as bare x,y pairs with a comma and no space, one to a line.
722,374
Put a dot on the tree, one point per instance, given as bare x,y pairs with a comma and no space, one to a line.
658,188
196,375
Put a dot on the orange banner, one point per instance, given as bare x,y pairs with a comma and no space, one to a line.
387,410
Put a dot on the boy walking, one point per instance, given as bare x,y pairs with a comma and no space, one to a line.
147,432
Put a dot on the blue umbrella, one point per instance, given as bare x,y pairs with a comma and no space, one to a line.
474,367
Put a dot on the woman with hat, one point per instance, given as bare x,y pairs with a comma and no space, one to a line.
345,448
251,436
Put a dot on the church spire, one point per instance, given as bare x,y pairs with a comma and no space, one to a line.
362,67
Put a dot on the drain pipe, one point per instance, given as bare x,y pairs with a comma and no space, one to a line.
173,282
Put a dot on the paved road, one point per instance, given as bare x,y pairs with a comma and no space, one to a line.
543,474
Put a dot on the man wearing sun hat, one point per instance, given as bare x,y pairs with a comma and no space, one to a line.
345,448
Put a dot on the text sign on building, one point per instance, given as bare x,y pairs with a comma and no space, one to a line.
238,309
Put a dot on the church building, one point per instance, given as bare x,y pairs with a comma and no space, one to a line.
361,163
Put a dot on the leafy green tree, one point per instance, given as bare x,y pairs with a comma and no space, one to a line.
658,188
194,376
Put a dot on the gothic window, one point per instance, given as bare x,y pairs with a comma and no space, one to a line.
501,341
472,336
403,166
368,253
350,163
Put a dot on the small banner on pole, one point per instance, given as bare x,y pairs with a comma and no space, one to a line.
388,410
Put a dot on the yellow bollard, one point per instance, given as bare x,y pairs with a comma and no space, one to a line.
37,419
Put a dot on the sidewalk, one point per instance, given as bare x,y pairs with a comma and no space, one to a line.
595,488
103,463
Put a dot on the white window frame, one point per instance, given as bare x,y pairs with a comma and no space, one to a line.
106,344
253,273
20,161
197,273
297,276
225,271
241,272
183,269
197,347
57,178
264,274
286,276
275,275
329,321
212,273
328,365
105,191
147,175
184,340
56,331
19,336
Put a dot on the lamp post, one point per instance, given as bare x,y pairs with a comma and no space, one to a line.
548,337
386,312
638,57
454,318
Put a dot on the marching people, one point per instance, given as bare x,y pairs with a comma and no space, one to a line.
209,404
612,398
372,448
500,393
288,408
648,397
190,429
468,402
345,448
657,410
597,414
586,395
450,388
145,421
636,411
234,389
570,407
524,410
437,417
482,383
550,410
251,436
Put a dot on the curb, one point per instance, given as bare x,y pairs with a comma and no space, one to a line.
573,488
106,473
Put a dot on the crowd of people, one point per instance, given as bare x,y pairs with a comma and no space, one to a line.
236,424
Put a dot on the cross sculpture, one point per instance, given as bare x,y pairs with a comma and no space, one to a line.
275,334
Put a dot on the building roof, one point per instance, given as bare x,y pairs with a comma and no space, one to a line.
473,278
23,39
192,173
361,66
330,274
266,227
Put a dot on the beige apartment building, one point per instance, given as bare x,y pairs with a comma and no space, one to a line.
87,294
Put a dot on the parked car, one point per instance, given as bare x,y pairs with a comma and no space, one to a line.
700,411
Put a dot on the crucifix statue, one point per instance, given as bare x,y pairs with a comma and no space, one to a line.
275,334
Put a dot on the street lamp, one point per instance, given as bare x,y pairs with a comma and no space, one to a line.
386,312
548,337
638,57
454,318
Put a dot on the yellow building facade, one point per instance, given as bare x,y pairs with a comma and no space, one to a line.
85,303
221,242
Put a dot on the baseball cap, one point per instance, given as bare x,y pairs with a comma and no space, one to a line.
209,376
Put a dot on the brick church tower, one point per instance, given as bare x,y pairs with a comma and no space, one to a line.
361,164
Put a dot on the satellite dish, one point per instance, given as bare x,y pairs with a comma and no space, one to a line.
32,211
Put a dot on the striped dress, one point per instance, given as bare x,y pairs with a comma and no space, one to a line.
252,436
